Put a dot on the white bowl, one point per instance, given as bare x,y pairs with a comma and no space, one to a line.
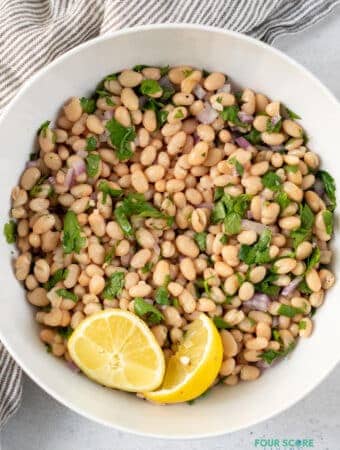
249,63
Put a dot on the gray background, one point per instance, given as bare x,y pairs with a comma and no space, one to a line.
44,424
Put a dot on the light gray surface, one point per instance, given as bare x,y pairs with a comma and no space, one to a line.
44,424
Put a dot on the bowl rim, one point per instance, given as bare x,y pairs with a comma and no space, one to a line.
133,30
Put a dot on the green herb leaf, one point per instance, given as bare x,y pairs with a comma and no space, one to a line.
232,223
282,199
307,217
147,268
272,181
270,355
164,70
276,335
162,116
292,169
230,114
162,296
259,252
238,165
114,285
304,289
179,114
224,239
328,220
313,259
111,76
59,275
123,220
329,185
218,194
72,240
43,127
64,293
254,137
92,164
289,311
221,324
148,312
121,138
37,188
88,105
91,143
302,325
201,240
65,332
266,286
140,67
106,189
10,232
299,236
150,87
273,126
109,255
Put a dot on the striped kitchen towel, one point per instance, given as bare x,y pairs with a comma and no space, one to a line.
34,32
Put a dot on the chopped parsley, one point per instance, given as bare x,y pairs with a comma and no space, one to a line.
91,143
270,355
109,255
65,332
10,232
88,105
328,221
201,240
106,189
304,289
230,114
230,210
92,164
273,126
313,259
224,239
267,287
147,268
164,70
147,312
221,324
289,311
135,204
282,199
121,138
162,296
38,188
150,87
289,113
259,252
64,293
43,128
114,285
179,114
272,181
254,136
238,166
305,231
59,275
302,325
72,240
329,186
292,169
139,67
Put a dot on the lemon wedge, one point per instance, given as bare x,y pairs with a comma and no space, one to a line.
194,367
117,349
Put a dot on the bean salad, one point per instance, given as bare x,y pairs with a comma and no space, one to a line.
168,193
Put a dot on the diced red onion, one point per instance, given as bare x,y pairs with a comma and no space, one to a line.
71,365
79,167
166,83
157,249
262,364
69,178
205,205
242,142
275,321
93,196
250,215
251,225
82,153
276,119
225,88
318,187
277,148
199,92
103,137
258,302
244,117
207,115
34,163
290,288
51,180
108,115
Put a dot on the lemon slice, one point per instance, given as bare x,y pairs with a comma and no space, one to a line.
117,349
194,367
